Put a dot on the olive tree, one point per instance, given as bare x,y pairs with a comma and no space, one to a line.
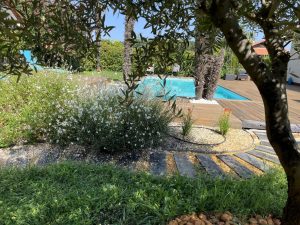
277,20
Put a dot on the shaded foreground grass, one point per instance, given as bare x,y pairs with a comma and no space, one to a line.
72,193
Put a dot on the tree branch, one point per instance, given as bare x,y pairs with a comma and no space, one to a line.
223,17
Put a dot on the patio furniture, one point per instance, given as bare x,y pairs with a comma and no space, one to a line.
150,70
242,76
176,68
230,77
295,78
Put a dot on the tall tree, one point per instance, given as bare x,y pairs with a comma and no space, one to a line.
98,37
129,28
276,19
212,74
207,64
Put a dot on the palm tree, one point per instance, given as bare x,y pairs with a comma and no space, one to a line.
129,28
207,64
98,40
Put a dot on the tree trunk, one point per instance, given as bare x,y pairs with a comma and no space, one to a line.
284,144
212,76
98,44
271,82
199,64
98,39
129,27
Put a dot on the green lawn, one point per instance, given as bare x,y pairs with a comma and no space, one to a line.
89,194
108,74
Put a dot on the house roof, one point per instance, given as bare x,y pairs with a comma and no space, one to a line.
260,48
261,51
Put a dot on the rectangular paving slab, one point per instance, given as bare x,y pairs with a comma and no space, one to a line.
236,166
184,165
253,161
158,164
261,125
253,124
265,149
264,156
266,143
210,166
262,137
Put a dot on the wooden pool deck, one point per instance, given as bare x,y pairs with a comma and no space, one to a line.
253,109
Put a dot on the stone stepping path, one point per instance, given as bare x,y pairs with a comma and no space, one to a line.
265,149
264,156
239,164
243,164
253,161
184,165
210,166
158,164
241,170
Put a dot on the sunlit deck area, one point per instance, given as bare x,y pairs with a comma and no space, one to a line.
253,109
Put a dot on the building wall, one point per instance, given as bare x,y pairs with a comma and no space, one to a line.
294,66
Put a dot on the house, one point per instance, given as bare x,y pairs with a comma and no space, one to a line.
260,48
293,74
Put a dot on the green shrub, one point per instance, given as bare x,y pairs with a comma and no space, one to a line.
187,123
53,108
101,121
27,107
224,122
111,57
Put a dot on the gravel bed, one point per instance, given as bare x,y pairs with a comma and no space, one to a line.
225,218
43,153
236,140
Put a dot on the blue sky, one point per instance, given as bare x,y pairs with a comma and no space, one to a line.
117,21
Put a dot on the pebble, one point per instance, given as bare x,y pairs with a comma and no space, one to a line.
262,222
225,217
277,222
252,221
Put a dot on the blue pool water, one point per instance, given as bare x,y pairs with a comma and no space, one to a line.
180,87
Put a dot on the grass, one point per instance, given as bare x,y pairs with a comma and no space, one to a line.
89,194
107,74
224,122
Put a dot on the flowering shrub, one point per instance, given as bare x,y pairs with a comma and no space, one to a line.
101,121
187,123
26,107
55,109
224,121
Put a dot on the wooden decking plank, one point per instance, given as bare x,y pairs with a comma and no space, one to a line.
235,110
158,163
255,109
184,165
264,156
253,161
236,166
265,149
210,166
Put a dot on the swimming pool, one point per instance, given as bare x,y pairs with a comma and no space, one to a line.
180,87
